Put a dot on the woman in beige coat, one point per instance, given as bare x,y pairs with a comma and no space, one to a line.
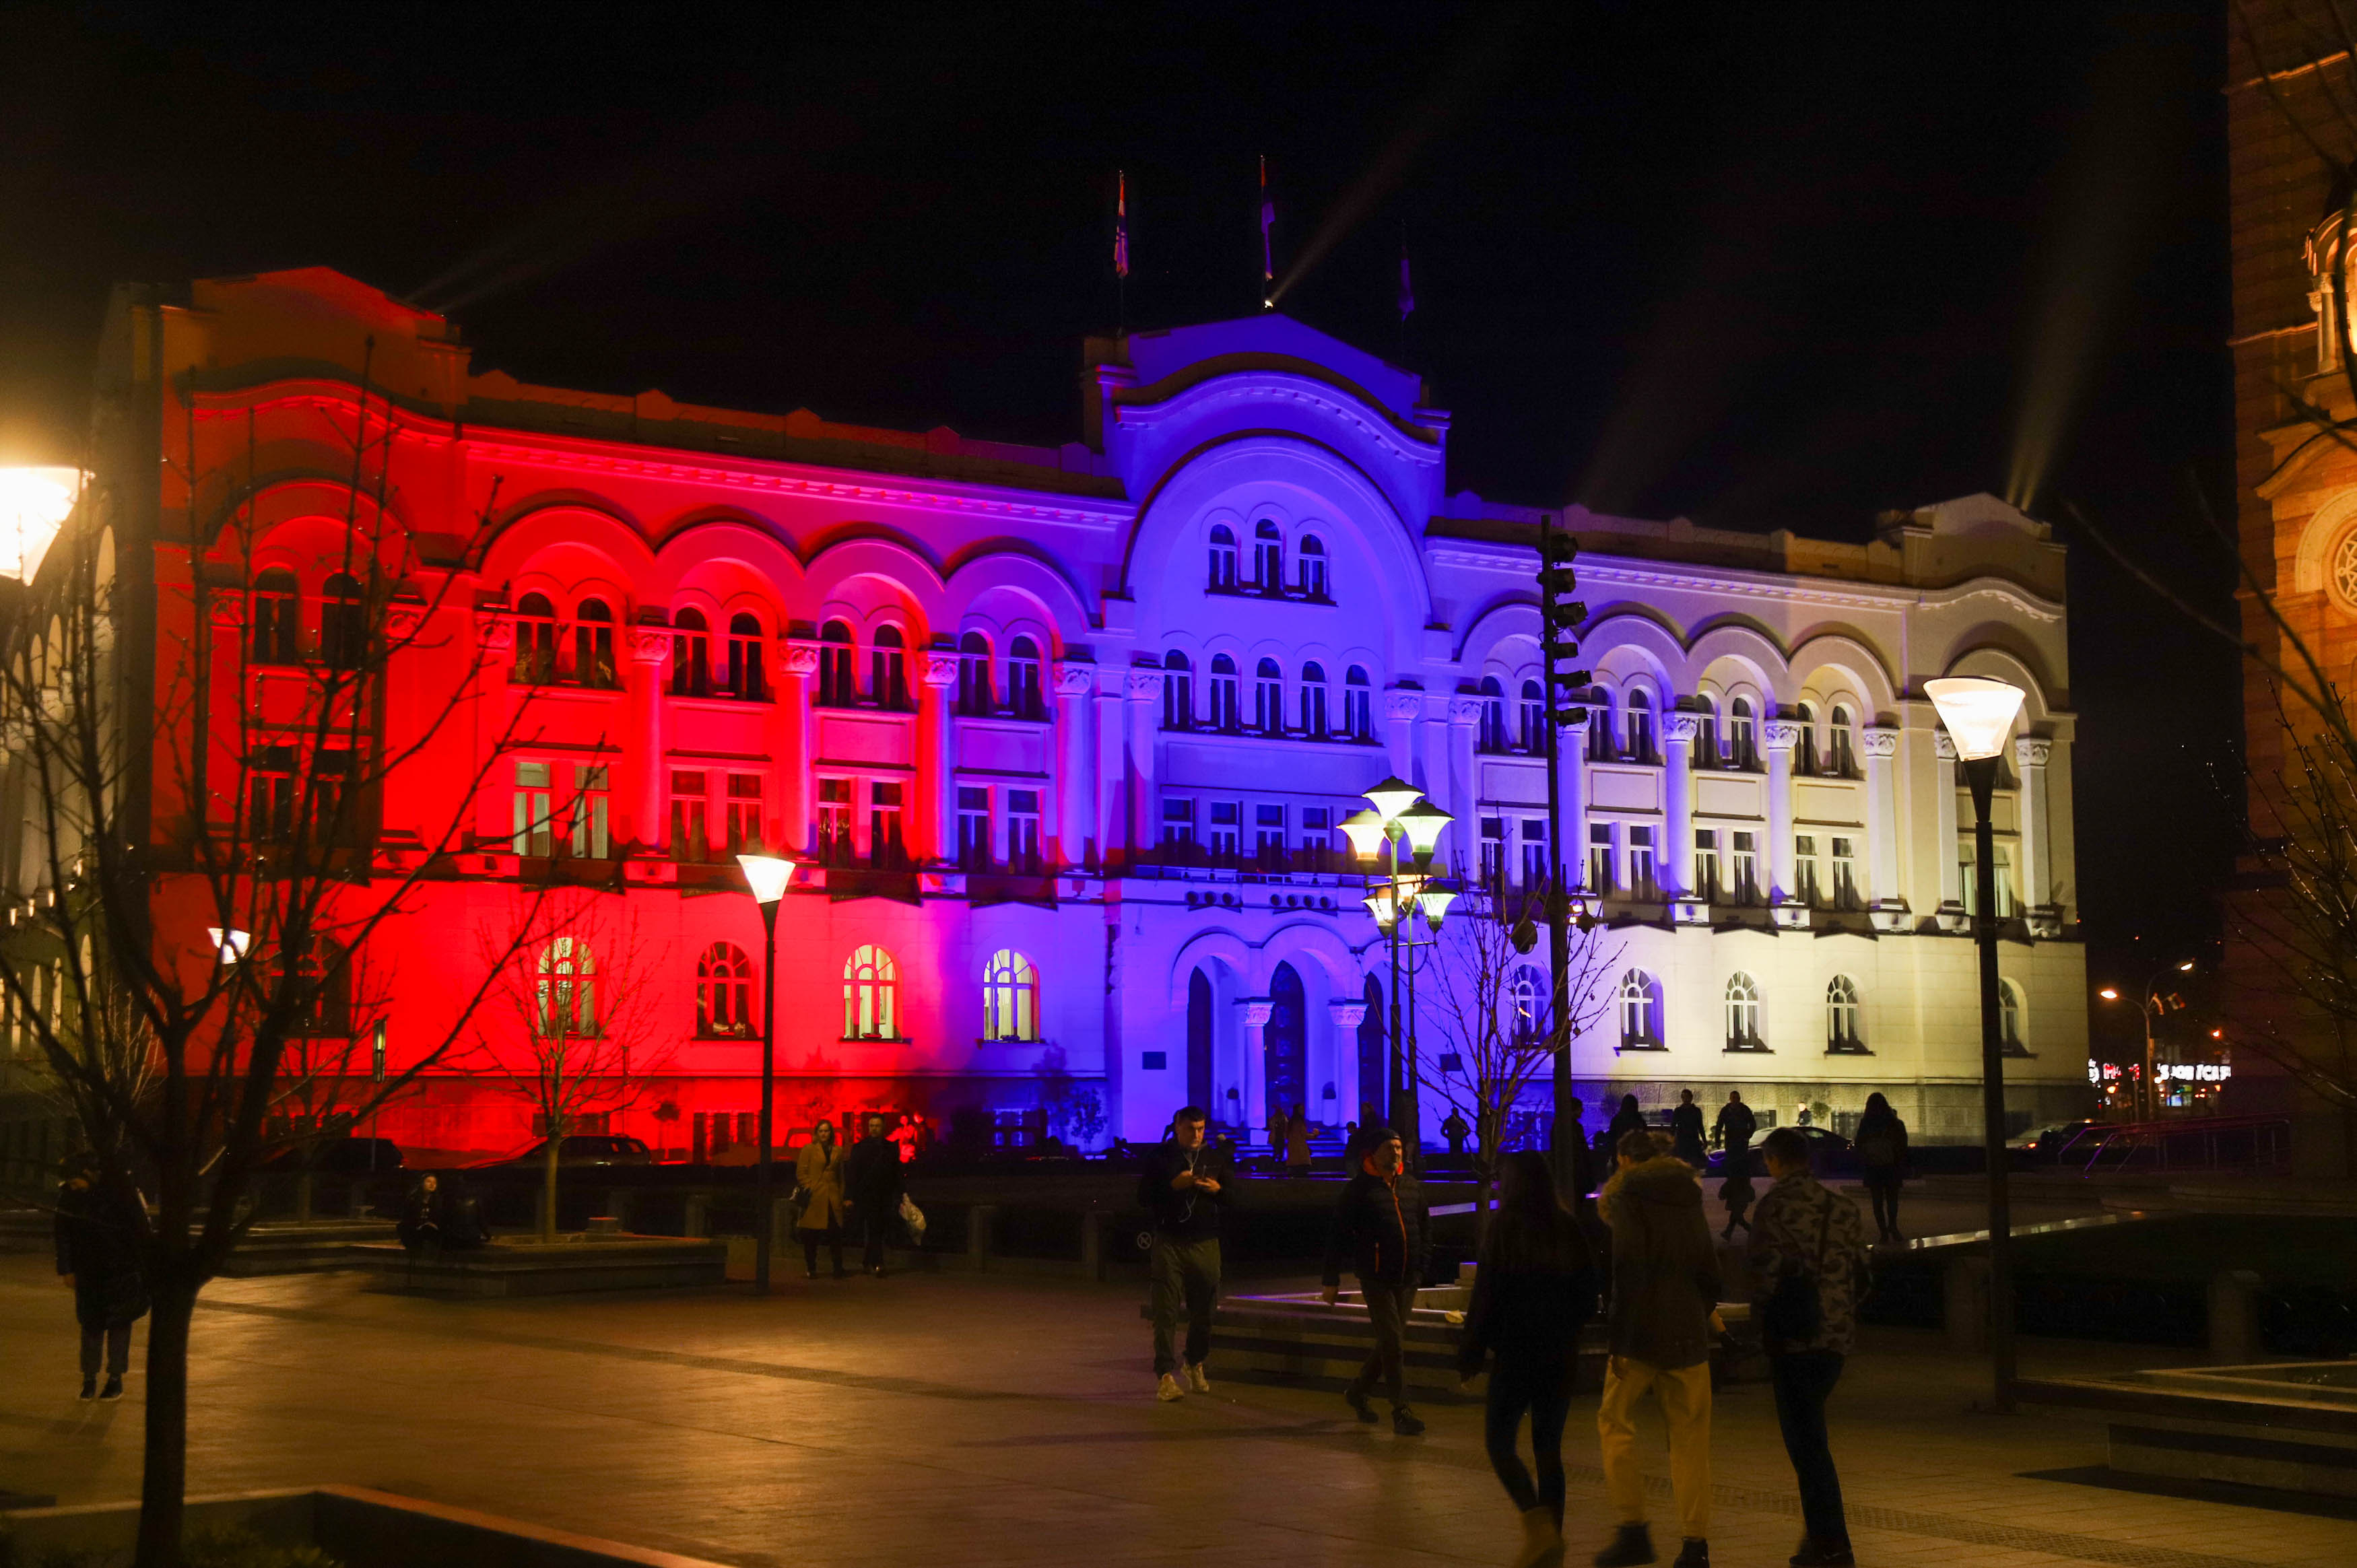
818,1169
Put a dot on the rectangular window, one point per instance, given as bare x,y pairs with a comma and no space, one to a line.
1493,851
592,807
1178,820
885,845
1706,877
1804,868
744,813
270,795
1227,826
1023,830
1846,874
1643,883
973,828
1538,867
1318,837
2006,905
1747,868
1268,836
534,815
1599,858
835,820
689,841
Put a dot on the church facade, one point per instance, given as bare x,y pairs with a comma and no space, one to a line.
1062,737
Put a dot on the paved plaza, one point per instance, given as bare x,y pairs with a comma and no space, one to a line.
956,1419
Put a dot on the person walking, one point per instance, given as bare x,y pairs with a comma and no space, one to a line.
1186,1191
1808,1266
1383,1227
1735,1128
871,1190
1882,1161
1535,1290
1736,1192
1665,1288
1296,1143
97,1234
1582,1174
1686,1130
818,1171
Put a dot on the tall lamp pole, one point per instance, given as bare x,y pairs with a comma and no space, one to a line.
2149,1090
768,876
1979,714
1560,619
1400,817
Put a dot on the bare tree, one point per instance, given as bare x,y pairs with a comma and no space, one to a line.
574,1031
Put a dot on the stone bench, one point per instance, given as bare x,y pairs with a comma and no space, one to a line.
2288,1426
571,1263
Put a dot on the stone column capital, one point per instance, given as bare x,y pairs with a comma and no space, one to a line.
1403,704
1144,685
2031,752
1257,1011
1680,729
1074,680
1943,745
651,645
1465,712
1780,735
495,630
403,622
228,608
1348,1014
938,670
801,658
1879,741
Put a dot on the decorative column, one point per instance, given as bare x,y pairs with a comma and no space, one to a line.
1144,691
1781,736
1945,845
799,809
2030,756
1675,861
1075,826
495,639
649,657
1887,899
937,767
1401,707
1255,1011
1439,759
1570,824
1111,812
1464,766
1347,1091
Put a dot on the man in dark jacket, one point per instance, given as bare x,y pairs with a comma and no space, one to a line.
1686,1129
1733,1130
1382,1226
98,1228
1803,1231
1185,1191
1580,1177
871,1191
1665,1297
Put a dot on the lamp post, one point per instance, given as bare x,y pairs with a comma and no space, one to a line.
2149,1090
768,876
1978,714
1400,816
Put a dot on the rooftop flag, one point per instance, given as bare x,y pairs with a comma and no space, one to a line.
1267,222
1121,226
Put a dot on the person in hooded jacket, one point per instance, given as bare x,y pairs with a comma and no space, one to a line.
1666,1286
1534,1289
1383,1227
98,1228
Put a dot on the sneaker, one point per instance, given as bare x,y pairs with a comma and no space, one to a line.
1407,1423
1167,1388
1814,1553
1197,1382
113,1390
1357,1400
90,1388
1693,1554
1632,1548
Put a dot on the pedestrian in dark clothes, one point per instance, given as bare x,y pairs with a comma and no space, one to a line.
1382,1227
871,1190
1736,1192
1882,1161
1535,1288
1583,1161
1734,1129
1686,1130
1184,1188
1627,1119
99,1224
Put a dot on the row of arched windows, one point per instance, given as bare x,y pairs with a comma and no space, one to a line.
275,630
871,995
979,693
1620,729
1307,705
1309,580
1641,1025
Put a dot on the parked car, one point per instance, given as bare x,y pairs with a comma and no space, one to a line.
2049,1139
339,1157
581,1149
1828,1151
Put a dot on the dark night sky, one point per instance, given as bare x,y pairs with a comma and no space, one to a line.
1763,271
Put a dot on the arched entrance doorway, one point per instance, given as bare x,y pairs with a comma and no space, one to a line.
1374,1061
1198,1042
1286,1041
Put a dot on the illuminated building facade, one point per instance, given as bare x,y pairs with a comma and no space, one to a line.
1065,733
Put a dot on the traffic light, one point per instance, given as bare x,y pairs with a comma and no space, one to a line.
1560,619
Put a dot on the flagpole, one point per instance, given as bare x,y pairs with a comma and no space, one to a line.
1120,262
1268,255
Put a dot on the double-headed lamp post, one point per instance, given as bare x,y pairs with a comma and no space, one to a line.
1401,816
768,876
2149,1095
1979,714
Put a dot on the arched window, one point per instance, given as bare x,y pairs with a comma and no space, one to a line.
1268,697
1840,751
536,639
724,992
1601,737
1533,717
1313,701
1227,694
1742,1013
1023,679
871,991
2011,1012
343,622
1010,997
1178,691
835,689
1358,705
593,643
887,670
1804,754
1705,747
1526,995
567,994
1843,1021
1314,584
1641,726
1269,557
1742,735
747,681
1640,1011
273,636
1493,715
691,655
1224,556
974,693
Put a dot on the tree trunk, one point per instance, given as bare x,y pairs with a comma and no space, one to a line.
163,1484
548,1193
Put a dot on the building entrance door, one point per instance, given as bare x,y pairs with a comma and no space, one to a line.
1285,1042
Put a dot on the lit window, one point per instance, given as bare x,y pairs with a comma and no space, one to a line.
534,814
1023,680
870,996
1843,1032
1742,1013
690,841
1010,997
744,813
536,639
1313,568
747,681
1641,1011
724,992
592,814
1224,556
1528,996
691,655
566,999
834,845
274,637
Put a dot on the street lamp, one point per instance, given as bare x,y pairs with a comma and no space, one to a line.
1978,714
229,943
1401,816
2150,1089
768,876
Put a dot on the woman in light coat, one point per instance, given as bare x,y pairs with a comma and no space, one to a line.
818,1169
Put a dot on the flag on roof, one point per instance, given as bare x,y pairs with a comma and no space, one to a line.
1121,226
1267,222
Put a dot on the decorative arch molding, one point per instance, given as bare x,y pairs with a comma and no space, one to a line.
281,499
905,571
1637,633
527,536
1315,392
726,538
2005,664
1501,623
2323,530
1747,647
1844,654
1057,600
1219,948
1320,946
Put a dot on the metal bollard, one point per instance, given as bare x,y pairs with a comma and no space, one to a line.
2234,1339
1964,1292
980,1221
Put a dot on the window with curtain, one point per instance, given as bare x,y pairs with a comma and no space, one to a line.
536,639
724,992
1843,1019
1743,1013
566,999
1010,997
871,991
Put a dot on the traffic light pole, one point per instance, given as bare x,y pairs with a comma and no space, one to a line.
1560,619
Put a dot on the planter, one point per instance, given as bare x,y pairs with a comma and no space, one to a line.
357,1528
570,1264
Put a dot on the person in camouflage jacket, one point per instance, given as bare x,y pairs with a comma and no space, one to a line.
1801,1231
